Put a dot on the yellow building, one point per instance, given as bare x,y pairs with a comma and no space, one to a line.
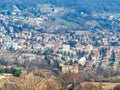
66,47
69,68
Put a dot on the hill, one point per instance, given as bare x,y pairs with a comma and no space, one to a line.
86,5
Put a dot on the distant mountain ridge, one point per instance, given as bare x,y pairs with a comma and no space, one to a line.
87,5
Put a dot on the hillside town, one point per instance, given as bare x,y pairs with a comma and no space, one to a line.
59,45
68,51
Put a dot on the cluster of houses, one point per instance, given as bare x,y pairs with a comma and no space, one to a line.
56,47
67,52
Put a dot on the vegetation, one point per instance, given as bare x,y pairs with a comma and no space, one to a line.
70,81
86,5
3,62
15,72
117,87
72,43
62,21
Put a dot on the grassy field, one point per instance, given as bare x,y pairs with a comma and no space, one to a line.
34,82
103,85
66,23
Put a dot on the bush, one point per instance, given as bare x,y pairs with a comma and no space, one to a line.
117,87
15,72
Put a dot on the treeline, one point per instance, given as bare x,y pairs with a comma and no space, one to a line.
87,5
15,72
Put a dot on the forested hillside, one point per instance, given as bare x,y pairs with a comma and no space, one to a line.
86,5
